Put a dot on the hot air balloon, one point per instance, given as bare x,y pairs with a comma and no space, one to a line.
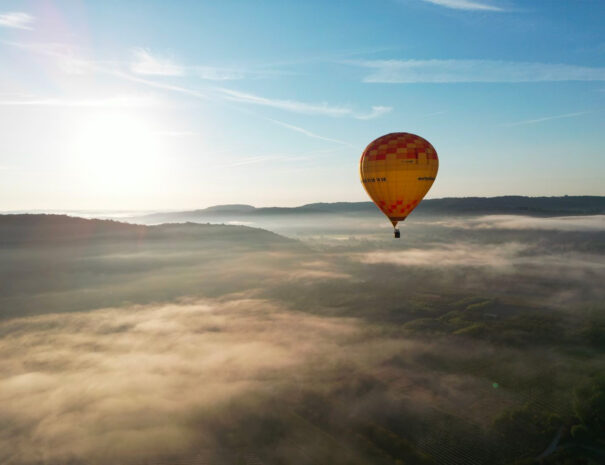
397,170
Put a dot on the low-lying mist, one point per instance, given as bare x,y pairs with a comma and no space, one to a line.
467,341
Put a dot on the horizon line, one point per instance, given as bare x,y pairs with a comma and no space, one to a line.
59,211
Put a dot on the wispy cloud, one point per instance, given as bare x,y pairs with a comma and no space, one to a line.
306,132
449,71
146,63
117,101
375,113
61,54
67,58
465,5
281,157
16,20
158,85
301,107
289,105
212,73
546,118
216,73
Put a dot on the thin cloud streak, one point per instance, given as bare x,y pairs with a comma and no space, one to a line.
16,20
452,71
212,73
465,5
289,105
216,73
92,66
546,118
119,101
65,57
146,63
301,107
67,60
157,85
280,157
306,132
376,112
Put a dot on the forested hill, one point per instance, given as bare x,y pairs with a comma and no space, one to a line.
40,228
518,205
546,206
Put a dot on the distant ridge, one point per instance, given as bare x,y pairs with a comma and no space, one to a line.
513,205
234,208
48,228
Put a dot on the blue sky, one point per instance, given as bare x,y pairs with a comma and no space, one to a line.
152,105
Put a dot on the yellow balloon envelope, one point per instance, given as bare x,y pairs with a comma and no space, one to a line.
397,170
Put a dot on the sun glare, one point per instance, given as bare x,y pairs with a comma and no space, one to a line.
117,153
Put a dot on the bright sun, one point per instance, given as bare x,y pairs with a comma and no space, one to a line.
117,153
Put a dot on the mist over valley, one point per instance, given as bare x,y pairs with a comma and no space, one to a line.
476,338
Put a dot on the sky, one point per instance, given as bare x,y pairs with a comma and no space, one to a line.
143,105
